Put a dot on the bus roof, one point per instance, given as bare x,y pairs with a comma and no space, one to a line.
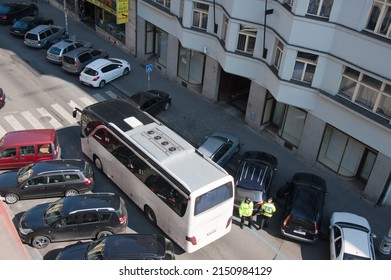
165,147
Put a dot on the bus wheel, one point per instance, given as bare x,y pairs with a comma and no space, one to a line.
98,163
150,215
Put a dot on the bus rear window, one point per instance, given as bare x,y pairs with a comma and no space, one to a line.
212,198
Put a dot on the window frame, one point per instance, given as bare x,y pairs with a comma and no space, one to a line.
375,21
307,62
248,32
320,5
200,14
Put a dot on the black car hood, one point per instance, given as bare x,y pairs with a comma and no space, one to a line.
8,179
74,252
34,217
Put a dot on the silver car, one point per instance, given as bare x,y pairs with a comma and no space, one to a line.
220,147
43,36
56,52
75,61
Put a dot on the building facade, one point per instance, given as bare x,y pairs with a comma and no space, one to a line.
314,74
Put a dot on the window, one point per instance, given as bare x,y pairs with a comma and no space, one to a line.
191,66
11,152
27,150
293,125
304,67
366,91
345,155
320,8
212,198
72,177
200,15
247,37
164,3
53,179
380,18
278,54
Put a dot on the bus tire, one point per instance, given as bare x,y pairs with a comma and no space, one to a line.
98,163
150,215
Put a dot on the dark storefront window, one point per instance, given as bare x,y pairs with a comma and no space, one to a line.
191,66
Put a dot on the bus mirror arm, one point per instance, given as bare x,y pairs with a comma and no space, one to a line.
74,113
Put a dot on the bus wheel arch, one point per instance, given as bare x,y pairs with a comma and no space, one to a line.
150,215
98,163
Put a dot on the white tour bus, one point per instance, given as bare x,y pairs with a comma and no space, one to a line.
188,196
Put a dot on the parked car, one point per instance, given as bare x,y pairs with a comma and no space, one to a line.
151,101
121,247
2,98
56,52
220,147
104,70
43,36
50,178
22,26
79,217
75,61
22,147
351,237
302,219
254,176
11,12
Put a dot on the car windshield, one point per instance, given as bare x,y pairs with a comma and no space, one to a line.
4,9
95,249
90,72
21,24
53,212
55,50
25,173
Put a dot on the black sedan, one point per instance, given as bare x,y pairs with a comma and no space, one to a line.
22,26
121,247
12,12
151,101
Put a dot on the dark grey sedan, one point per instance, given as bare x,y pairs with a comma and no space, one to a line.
151,101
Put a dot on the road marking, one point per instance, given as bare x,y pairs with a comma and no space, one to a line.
14,122
2,131
68,117
99,97
53,121
32,120
111,94
86,101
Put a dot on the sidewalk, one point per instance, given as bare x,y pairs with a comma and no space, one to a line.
196,117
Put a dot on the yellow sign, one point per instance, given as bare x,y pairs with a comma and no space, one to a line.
122,11
119,8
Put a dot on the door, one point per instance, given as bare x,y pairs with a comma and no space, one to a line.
89,226
67,228
35,187
8,158
27,155
55,186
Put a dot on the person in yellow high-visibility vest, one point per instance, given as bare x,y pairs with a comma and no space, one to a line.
267,210
246,212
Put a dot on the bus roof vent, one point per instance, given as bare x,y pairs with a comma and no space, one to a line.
163,141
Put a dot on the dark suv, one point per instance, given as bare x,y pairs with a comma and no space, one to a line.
50,178
12,12
254,176
121,247
79,217
305,201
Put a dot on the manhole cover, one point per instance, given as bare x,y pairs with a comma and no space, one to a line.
45,119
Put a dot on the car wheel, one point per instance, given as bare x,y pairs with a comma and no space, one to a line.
11,198
166,106
150,215
103,233
102,84
40,242
98,163
71,192
126,71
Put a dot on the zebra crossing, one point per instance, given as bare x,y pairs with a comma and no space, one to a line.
55,116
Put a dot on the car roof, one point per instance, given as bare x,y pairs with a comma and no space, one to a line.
58,164
29,136
134,246
211,145
41,27
99,63
349,218
309,180
108,201
64,43
306,202
250,175
78,51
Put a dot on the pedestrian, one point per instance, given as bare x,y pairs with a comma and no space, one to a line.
246,212
266,212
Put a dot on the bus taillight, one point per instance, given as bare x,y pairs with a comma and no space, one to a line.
192,239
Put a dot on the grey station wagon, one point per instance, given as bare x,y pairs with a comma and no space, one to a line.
43,36
75,61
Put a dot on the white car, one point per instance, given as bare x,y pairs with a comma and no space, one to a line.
103,70
350,237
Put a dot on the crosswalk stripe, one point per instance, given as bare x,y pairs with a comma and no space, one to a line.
68,117
32,120
14,122
111,94
73,105
52,120
98,97
86,101
2,131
